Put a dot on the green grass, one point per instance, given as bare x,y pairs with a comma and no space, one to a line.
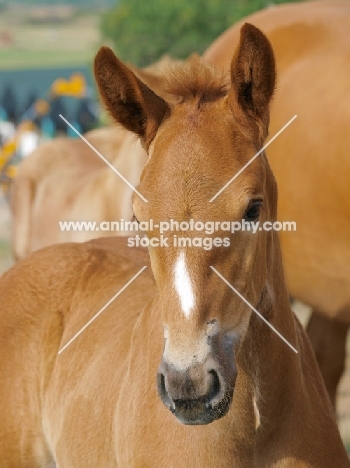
6,260
17,59
4,246
347,446
71,42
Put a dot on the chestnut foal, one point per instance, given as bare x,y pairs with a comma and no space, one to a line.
238,395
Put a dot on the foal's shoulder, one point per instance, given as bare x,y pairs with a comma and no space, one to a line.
67,266
55,277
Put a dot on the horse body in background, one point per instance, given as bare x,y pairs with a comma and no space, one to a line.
65,180
230,391
311,161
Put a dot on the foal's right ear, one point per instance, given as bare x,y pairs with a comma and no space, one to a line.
130,102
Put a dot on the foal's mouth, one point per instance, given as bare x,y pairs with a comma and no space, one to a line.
200,411
196,411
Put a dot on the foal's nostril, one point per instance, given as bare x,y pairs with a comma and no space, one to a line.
215,386
163,393
161,383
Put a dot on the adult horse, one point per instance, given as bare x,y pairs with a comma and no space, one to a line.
311,162
244,398
65,180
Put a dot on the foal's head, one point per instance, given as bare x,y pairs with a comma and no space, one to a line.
206,130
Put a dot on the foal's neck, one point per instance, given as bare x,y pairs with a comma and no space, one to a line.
288,402
271,366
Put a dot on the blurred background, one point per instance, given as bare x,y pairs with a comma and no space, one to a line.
47,49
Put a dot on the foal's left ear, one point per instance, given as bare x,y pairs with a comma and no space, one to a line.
130,102
253,77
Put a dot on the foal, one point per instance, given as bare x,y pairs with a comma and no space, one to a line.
231,393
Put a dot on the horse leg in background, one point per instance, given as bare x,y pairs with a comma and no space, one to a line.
328,339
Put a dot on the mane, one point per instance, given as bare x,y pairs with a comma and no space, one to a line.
195,80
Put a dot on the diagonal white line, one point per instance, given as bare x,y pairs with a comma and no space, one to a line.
104,159
254,310
101,310
254,157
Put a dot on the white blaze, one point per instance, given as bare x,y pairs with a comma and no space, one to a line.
183,285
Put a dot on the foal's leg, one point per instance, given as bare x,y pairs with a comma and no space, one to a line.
328,339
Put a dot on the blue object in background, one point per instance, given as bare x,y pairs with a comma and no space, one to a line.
87,114
47,127
9,103
3,114
71,133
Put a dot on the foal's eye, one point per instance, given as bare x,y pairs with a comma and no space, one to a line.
253,211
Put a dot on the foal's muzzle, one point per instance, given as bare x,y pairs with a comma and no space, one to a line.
197,395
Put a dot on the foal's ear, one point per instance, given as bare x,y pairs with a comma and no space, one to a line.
130,102
253,77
